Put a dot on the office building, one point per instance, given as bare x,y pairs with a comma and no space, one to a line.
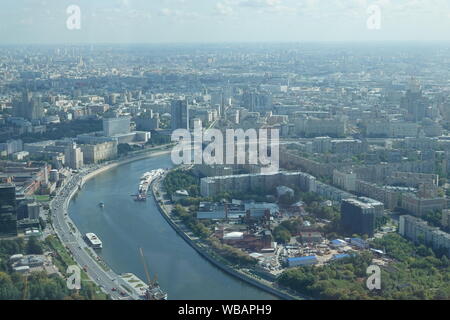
116,126
74,157
8,210
180,114
33,210
357,217
95,153
317,127
147,123
414,102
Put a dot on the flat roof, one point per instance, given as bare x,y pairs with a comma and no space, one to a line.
303,258
7,185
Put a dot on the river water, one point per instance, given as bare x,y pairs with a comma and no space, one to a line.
125,225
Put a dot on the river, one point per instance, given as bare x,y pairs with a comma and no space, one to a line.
125,225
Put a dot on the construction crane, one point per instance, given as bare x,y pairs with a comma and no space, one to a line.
154,291
147,275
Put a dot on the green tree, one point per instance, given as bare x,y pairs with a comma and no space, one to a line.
281,234
34,246
7,289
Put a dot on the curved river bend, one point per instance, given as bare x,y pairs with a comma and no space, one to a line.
125,225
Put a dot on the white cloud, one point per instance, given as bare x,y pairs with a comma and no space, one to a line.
223,8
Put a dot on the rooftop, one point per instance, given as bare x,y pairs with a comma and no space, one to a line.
302,258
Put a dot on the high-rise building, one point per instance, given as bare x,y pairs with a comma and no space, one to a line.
180,114
74,157
254,101
11,146
217,98
29,107
147,122
357,217
414,102
221,99
33,210
114,126
112,99
8,210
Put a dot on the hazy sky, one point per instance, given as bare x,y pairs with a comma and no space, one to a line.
153,21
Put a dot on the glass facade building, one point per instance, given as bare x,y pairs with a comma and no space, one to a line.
8,210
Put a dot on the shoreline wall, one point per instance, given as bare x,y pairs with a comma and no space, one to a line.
216,263
121,162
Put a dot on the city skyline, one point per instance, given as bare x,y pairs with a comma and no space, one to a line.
218,21
225,150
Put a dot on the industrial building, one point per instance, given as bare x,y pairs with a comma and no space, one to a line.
302,261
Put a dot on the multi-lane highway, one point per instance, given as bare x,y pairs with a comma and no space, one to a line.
74,242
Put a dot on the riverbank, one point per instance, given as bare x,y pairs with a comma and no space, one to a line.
70,236
121,162
208,259
199,247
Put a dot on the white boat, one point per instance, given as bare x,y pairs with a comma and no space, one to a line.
145,182
93,241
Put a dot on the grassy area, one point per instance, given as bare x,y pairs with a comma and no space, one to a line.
42,198
63,260
100,263
72,228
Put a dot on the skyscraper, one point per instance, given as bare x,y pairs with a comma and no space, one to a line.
8,210
180,114
29,107
414,101
74,157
